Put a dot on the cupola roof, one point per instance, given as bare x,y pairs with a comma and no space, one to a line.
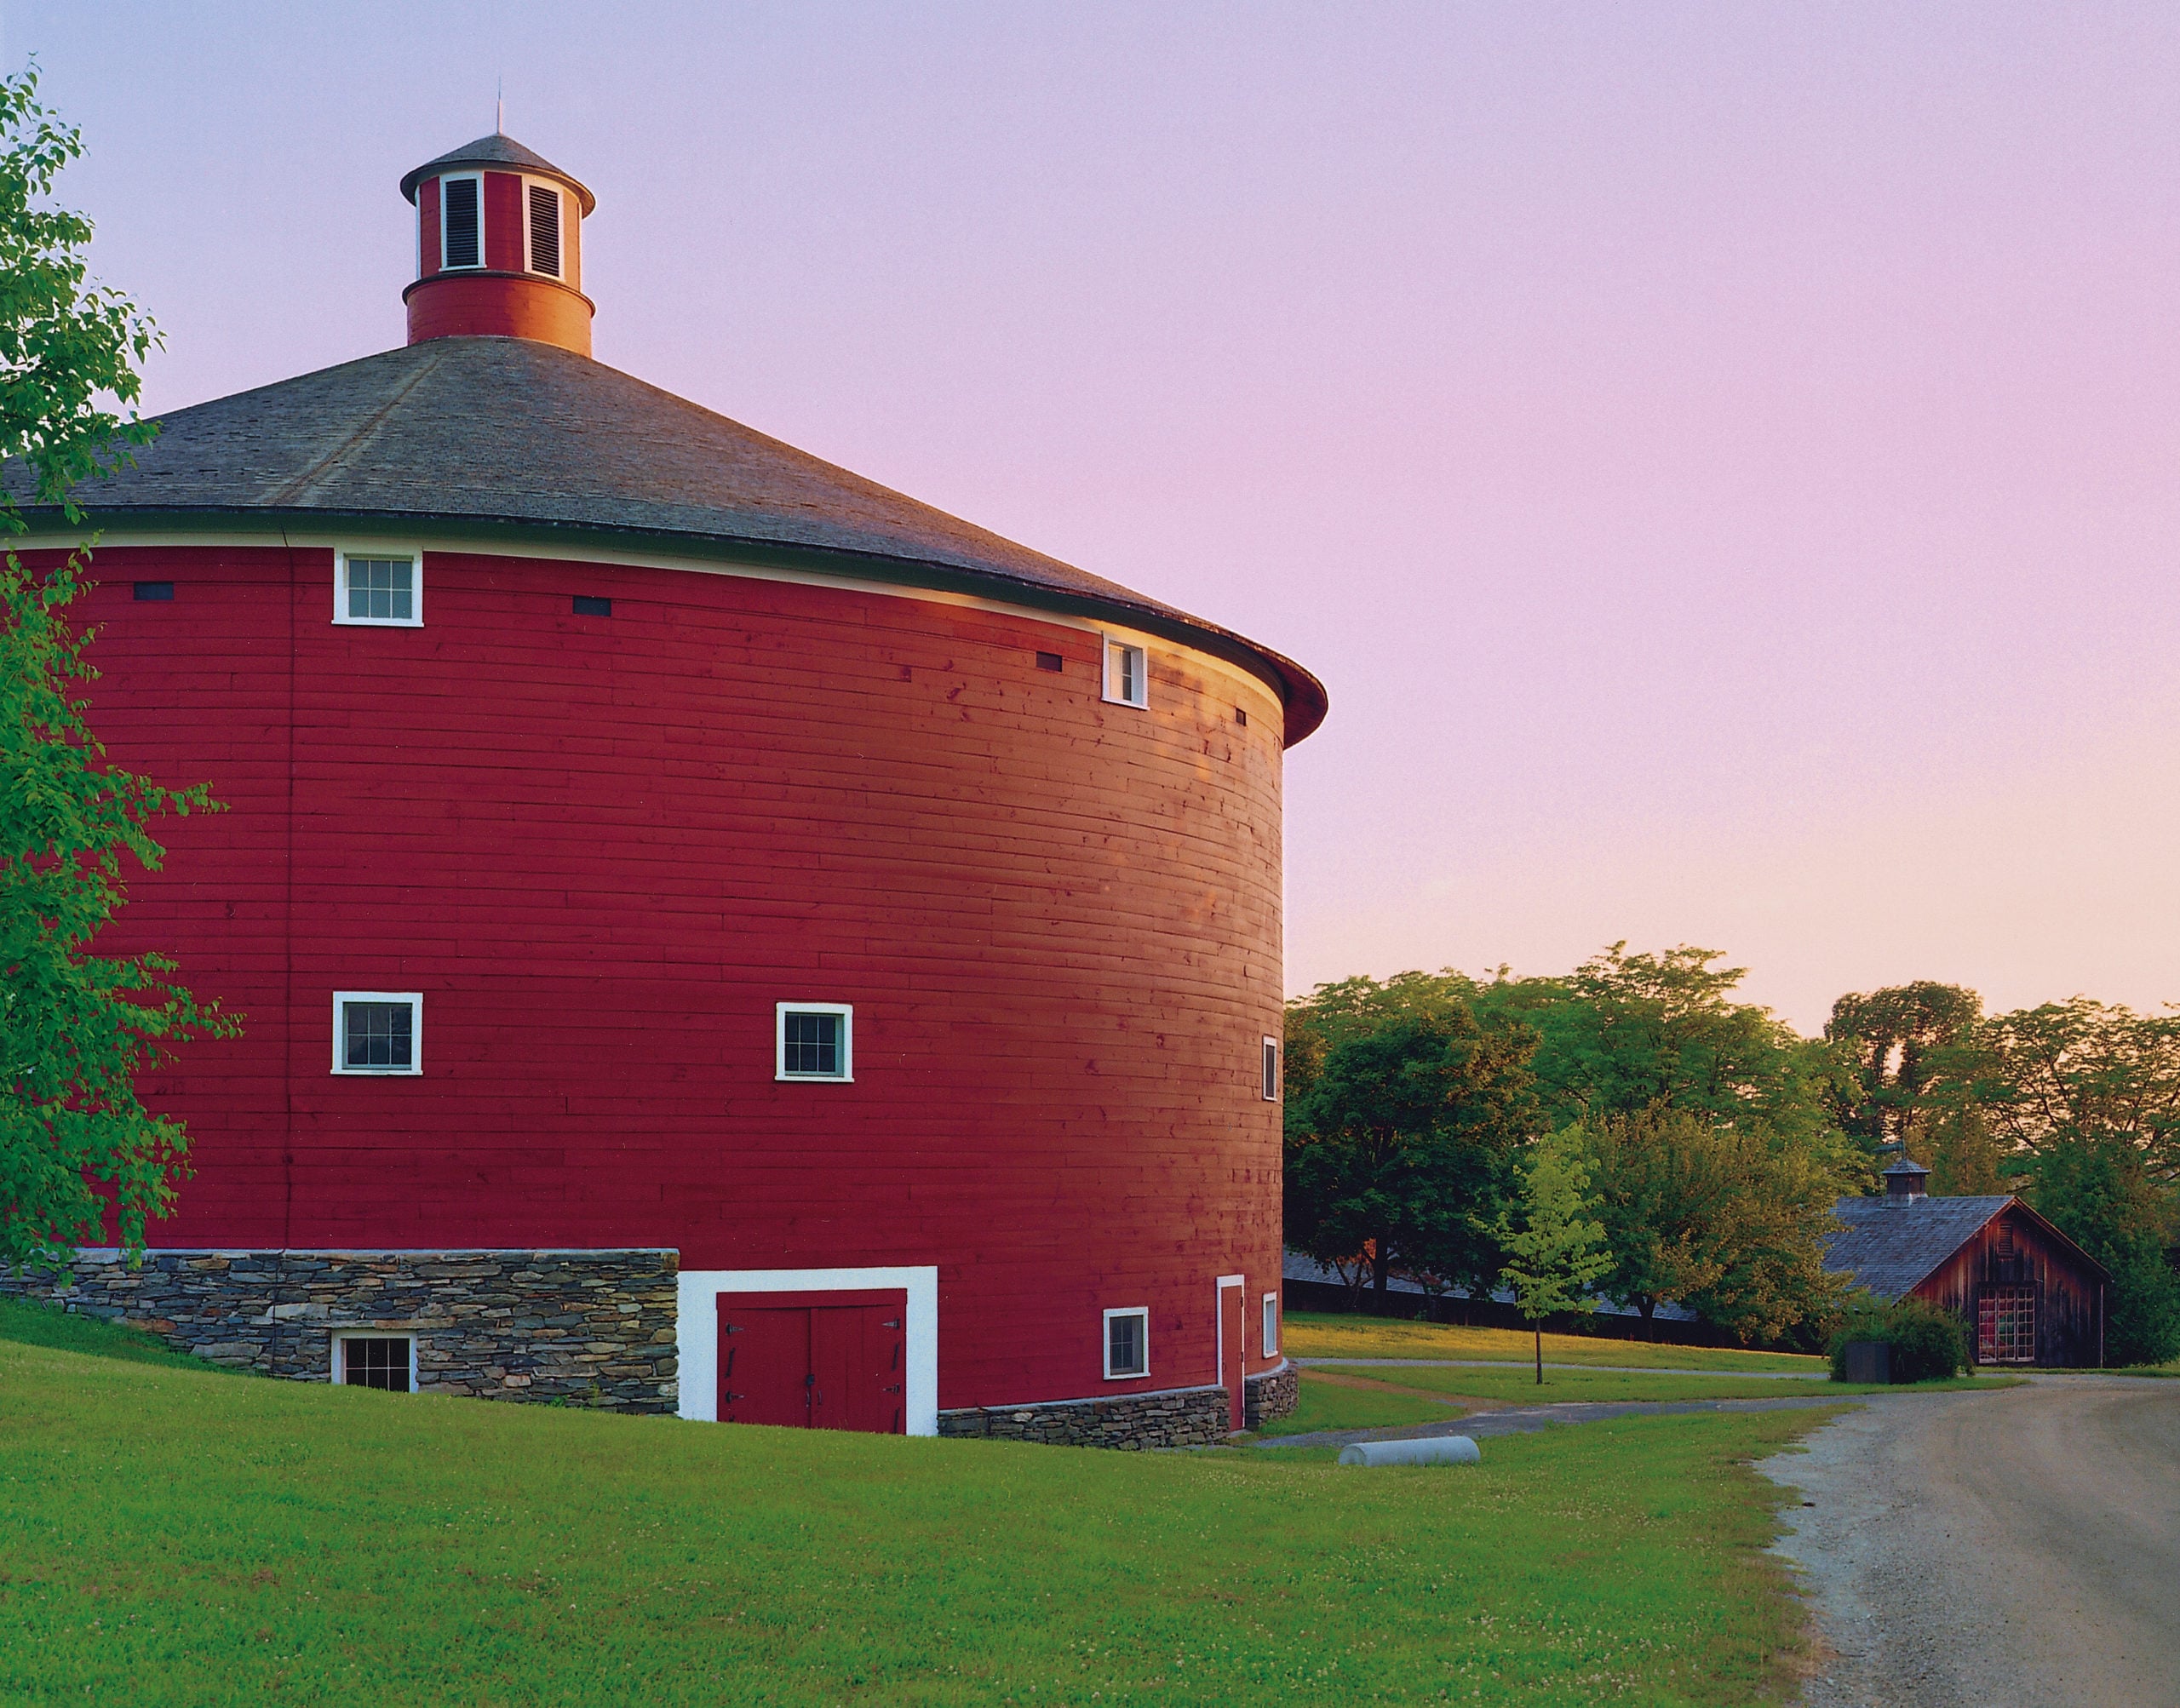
498,150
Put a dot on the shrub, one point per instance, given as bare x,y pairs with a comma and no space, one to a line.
1928,1344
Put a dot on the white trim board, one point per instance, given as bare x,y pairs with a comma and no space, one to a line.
696,1329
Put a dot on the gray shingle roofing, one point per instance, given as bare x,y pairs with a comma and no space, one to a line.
492,435
1890,1243
496,150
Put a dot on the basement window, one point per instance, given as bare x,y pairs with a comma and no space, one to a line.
545,230
148,593
378,1032
461,221
378,587
1271,1070
816,1041
1127,681
1127,1343
1271,1325
386,1362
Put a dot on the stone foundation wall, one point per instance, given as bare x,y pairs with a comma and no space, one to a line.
1178,1417
591,1329
1272,1395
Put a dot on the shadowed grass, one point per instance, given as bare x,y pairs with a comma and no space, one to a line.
1316,1334
31,1324
1514,1386
172,1536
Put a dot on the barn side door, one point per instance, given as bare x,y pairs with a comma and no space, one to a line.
764,1365
1233,1315
826,1361
857,1360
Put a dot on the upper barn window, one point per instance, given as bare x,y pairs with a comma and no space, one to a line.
378,585
461,221
815,1042
1127,680
378,1032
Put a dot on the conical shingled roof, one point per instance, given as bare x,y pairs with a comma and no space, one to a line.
488,436
497,150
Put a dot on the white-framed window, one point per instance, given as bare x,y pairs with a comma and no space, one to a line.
541,202
462,219
371,1358
378,1032
379,586
1127,1343
1270,1340
816,1040
1271,1070
1128,676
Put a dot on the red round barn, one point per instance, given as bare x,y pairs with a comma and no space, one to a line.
713,934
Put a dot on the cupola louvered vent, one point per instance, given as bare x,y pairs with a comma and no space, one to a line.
545,230
458,199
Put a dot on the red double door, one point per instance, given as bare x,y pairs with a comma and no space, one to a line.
824,1361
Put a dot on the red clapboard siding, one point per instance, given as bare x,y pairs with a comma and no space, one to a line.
504,229
427,226
604,848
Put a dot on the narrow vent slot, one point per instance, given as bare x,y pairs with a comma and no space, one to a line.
149,591
589,604
545,230
458,205
1049,661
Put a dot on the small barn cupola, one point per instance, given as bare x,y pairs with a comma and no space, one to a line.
499,247
1904,1181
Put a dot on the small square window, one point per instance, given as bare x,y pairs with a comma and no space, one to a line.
378,1032
149,592
1271,1070
1050,661
589,604
1270,1344
379,588
1240,718
387,1361
1127,680
1127,1343
816,1041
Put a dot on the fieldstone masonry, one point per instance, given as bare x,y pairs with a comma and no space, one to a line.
590,1328
1176,1417
1272,1395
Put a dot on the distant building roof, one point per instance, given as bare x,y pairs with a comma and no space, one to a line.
1890,1243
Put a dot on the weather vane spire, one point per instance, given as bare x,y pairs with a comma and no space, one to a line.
500,106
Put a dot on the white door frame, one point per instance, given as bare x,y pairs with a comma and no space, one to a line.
697,1331
1240,1284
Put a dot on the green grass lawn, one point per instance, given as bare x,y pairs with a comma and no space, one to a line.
1314,1334
171,1535
38,1324
1515,1386
1323,1405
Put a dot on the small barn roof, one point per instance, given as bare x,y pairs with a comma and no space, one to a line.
1890,1243
486,437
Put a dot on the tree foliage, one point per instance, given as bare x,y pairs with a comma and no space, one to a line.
77,1147
1404,1129
68,347
1897,1040
1553,1255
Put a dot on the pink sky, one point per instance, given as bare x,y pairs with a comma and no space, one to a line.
1720,459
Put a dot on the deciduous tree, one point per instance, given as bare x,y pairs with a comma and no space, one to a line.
77,1147
1555,1254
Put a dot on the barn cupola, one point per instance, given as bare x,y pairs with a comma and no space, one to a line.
1903,1181
499,247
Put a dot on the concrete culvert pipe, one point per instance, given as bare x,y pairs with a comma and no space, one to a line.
1431,1450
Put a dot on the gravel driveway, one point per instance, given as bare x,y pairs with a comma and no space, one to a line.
2018,1549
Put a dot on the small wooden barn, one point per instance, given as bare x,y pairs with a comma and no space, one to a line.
2029,1294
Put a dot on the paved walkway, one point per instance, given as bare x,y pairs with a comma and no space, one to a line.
1514,1420
1523,1364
